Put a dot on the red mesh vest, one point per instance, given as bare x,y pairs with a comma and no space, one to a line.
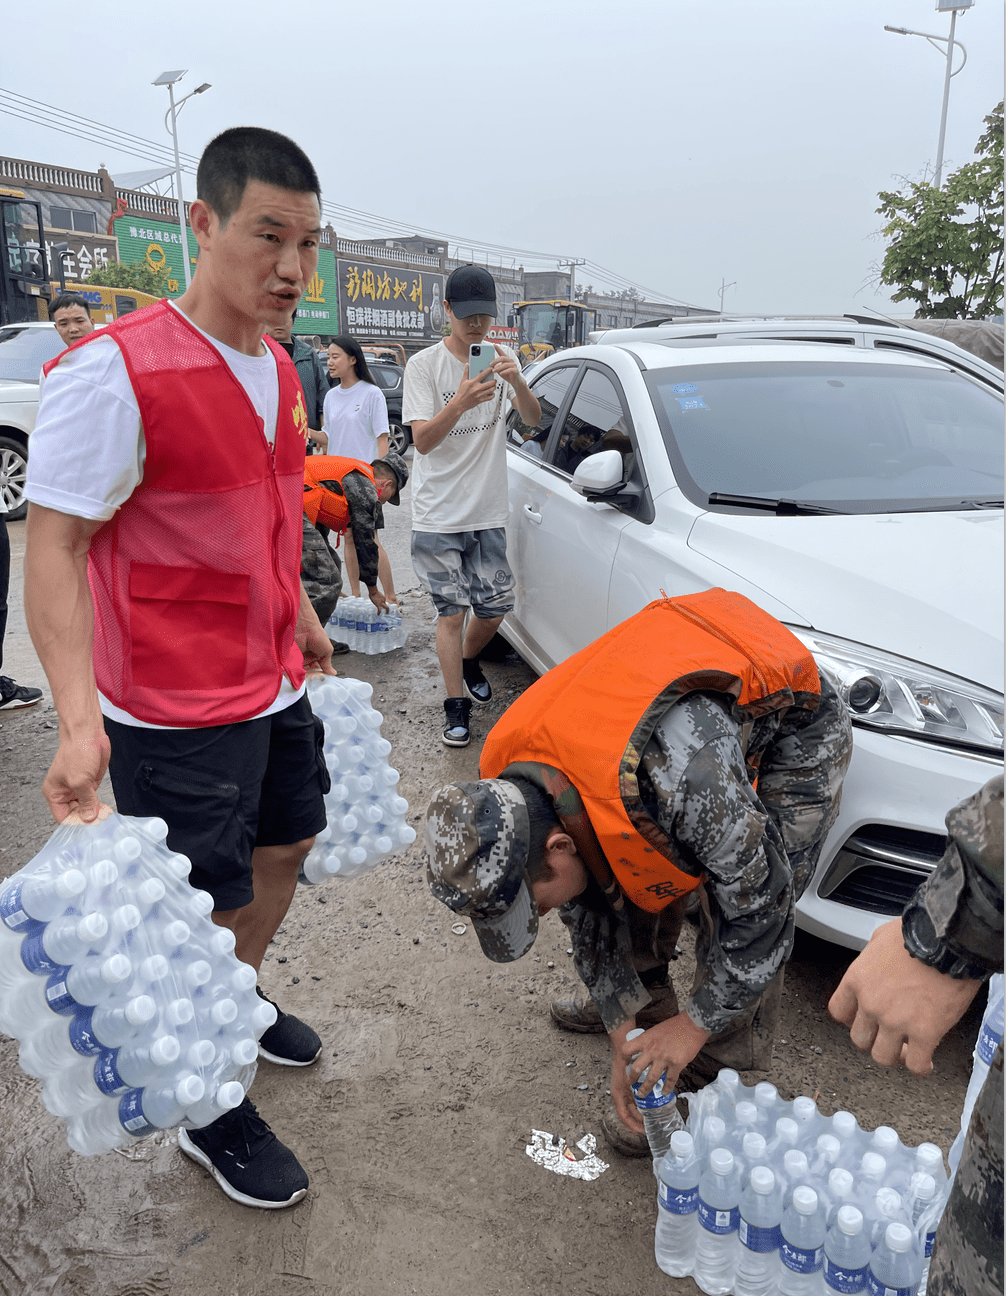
591,716
323,506
196,579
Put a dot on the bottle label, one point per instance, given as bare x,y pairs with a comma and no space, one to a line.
35,959
718,1221
10,909
879,1289
657,1098
679,1202
759,1238
57,996
988,1043
842,1279
131,1116
930,1239
801,1259
82,1036
106,1074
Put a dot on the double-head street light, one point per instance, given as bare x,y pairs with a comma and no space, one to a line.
170,79
942,6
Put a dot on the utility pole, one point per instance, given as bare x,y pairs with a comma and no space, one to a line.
723,288
573,262
170,79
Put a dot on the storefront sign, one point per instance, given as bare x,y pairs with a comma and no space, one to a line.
85,252
502,333
319,311
378,301
157,245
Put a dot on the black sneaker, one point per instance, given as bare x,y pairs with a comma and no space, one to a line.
246,1159
475,682
288,1041
338,647
14,696
456,732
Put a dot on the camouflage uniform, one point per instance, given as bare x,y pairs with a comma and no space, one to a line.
954,923
320,568
757,849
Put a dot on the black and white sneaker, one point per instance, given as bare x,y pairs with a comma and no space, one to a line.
475,682
457,712
246,1159
289,1042
14,696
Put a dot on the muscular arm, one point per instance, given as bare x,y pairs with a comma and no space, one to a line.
361,500
60,616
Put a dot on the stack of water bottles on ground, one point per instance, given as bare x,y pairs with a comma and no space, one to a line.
127,1000
366,815
760,1196
358,623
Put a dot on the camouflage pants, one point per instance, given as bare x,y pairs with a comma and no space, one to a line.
968,1251
320,571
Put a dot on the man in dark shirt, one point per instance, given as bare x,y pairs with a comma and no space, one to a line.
314,378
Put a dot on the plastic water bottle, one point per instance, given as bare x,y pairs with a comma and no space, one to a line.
768,1103
787,1136
41,899
658,1110
118,1070
807,1117
801,1248
846,1253
929,1200
71,937
213,1105
929,1160
712,1135
887,1207
719,1219
896,1264
677,1207
845,1128
872,1170
795,1171
989,1039
752,1154
747,1121
760,1215
839,1193
826,1151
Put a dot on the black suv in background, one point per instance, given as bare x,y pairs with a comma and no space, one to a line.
389,378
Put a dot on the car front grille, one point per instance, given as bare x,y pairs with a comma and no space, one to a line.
879,868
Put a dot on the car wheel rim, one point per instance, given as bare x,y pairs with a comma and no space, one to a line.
13,470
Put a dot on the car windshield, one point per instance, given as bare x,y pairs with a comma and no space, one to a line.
863,438
23,352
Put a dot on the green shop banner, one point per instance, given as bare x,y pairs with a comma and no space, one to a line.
156,245
319,307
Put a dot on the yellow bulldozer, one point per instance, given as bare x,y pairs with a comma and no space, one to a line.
544,327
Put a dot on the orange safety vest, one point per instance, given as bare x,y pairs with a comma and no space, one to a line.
591,716
323,506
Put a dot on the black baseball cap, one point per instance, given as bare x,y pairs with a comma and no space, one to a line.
471,290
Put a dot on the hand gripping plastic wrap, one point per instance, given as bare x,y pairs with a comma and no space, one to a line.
126,998
366,816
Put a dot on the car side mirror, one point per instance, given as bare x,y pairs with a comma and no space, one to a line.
598,474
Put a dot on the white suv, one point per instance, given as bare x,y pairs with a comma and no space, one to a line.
24,349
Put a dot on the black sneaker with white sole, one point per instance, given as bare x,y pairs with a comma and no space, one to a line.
289,1042
475,682
457,712
14,696
246,1159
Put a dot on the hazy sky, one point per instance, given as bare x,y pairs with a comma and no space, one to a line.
675,143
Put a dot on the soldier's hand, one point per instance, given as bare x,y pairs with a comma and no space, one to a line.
665,1049
895,1006
377,599
621,1091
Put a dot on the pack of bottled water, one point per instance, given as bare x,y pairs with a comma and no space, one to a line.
761,1196
366,815
358,623
126,998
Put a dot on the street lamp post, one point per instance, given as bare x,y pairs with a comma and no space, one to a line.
170,79
953,6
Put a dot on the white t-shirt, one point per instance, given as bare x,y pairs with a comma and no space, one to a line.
88,450
461,484
354,419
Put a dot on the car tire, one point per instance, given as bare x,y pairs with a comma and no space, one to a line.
399,438
13,469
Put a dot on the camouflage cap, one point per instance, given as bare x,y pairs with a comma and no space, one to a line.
477,837
397,466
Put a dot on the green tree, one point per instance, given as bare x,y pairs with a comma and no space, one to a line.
946,245
136,275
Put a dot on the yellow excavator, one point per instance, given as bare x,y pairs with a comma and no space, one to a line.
547,326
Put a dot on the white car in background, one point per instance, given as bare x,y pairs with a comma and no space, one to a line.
24,349
853,492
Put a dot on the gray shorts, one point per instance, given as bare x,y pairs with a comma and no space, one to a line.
465,569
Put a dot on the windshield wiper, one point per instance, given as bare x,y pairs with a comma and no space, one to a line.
781,507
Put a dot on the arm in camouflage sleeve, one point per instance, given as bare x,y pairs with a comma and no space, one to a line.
954,922
361,500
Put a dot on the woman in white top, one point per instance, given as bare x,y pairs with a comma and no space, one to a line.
356,423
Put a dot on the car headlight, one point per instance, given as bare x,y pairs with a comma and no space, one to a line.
896,696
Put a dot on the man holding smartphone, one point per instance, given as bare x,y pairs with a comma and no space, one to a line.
459,486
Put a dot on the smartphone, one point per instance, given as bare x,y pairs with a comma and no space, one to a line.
480,356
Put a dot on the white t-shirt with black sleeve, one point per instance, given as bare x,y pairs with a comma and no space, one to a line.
461,484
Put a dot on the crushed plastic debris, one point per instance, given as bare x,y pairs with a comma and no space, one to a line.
579,1160
459,929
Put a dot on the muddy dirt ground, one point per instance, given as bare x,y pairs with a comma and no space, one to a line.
436,1068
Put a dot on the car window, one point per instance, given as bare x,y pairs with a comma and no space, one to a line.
550,389
23,352
596,421
867,438
385,377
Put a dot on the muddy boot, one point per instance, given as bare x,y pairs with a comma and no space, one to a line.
620,1138
576,1015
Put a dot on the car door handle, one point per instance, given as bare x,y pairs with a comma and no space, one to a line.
530,513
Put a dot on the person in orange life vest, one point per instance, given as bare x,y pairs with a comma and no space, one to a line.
343,495
693,749
162,585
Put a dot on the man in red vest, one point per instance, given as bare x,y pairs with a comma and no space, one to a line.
162,585
692,750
